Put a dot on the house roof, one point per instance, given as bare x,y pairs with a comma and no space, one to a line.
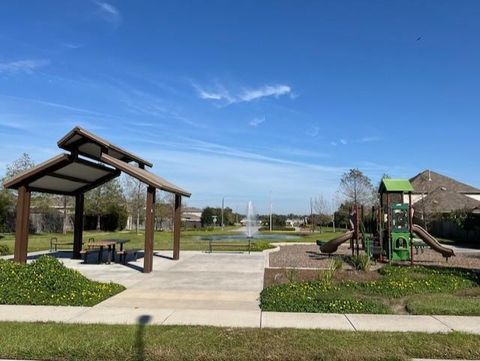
91,145
443,201
428,181
395,185
63,174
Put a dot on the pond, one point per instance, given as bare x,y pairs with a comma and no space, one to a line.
240,236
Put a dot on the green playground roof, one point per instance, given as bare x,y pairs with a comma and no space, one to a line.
395,185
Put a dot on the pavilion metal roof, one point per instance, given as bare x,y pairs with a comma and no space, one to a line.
144,176
88,144
63,174
70,174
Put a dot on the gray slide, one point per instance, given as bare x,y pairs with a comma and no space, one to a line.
432,242
332,245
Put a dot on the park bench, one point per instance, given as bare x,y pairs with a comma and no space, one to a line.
237,245
54,243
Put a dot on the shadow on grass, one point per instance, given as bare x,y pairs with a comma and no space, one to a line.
143,321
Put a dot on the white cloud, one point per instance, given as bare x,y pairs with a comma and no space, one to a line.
23,66
109,12
343,141
246,95
265,91
255,122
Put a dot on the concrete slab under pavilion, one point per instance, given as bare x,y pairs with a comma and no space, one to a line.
91,162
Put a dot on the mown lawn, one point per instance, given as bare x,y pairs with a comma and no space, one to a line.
399,289
50,341
163,240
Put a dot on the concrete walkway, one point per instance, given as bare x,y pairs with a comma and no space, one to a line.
240,318
217,281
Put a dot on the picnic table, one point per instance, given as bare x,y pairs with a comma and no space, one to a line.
110,244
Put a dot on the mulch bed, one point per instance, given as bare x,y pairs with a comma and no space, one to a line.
309,256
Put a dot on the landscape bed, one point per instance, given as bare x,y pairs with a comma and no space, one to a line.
46,281
52,341
391,289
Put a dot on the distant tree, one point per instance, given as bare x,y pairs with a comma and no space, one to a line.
18,166
107,199
135,193
356,187
6,203
7,198
164,208
207,216
342,215
322,208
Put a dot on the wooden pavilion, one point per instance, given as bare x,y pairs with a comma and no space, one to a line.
91,162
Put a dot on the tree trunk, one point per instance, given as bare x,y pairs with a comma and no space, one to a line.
137,224
98,222
65,216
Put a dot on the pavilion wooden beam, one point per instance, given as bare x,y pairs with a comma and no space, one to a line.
149,230
21,225
78,225
177,224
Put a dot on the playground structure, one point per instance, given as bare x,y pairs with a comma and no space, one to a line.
392,230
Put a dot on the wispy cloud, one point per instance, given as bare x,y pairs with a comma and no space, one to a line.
109,12
219,93
369,139
343,141
313,131
265,91
23,66
72,45
255,122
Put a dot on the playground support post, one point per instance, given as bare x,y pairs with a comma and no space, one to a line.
410,221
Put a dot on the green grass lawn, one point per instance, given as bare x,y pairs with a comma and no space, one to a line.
418,290
50,341
163,240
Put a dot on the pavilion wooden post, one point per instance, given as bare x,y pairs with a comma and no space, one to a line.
21,225
177,224
149,230
78,226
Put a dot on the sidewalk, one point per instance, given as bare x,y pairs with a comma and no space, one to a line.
245,318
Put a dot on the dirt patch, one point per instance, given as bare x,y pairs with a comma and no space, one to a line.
277,276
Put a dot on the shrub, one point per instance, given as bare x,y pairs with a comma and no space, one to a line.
4,249
360,262
291,274
337,263
277,228
47,281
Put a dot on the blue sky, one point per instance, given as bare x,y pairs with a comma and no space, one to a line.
248,99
